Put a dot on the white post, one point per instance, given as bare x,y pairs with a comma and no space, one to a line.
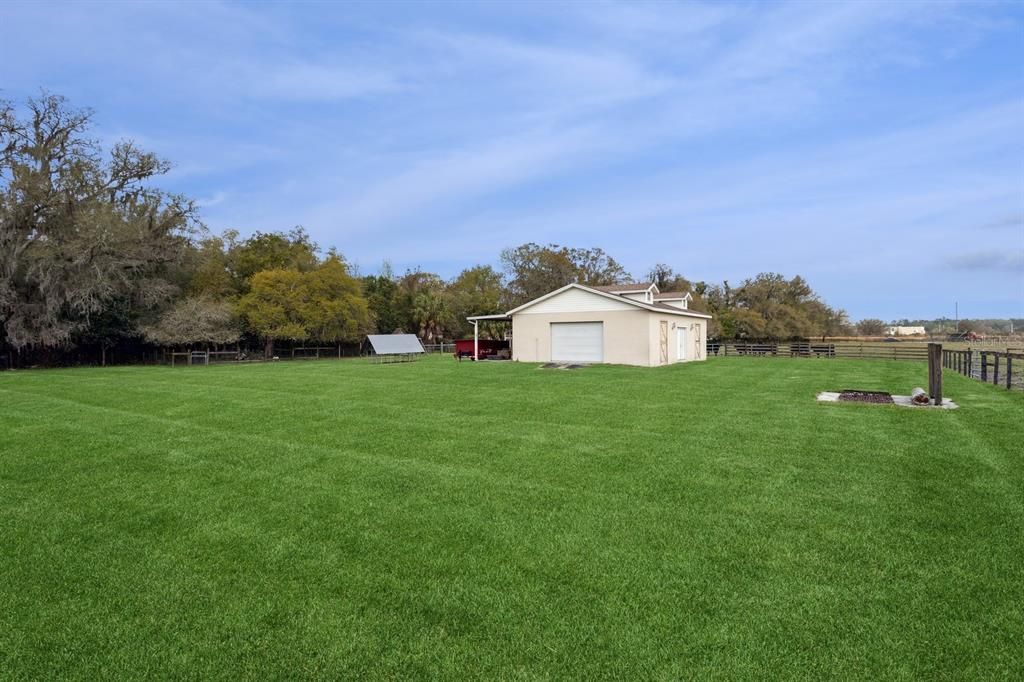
476,339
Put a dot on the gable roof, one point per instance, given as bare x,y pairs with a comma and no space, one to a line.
666,306
657,307
628,288
673,296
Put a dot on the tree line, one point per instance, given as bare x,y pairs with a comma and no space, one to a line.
93,254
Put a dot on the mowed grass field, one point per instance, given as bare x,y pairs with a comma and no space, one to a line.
338,520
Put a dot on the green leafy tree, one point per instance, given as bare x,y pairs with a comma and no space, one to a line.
381,292
535,270
781,304
747,324
409,287
594,267
114,324
335,309
768,306
325,304
718,302
476,291
431,314
275,307
211,276
829,321
270,251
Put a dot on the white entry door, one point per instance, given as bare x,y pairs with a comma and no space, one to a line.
577,342
681,337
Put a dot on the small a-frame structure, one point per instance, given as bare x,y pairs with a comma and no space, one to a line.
395,347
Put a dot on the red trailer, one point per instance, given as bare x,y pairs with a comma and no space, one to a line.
486,349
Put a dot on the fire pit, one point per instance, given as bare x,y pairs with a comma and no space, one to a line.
852,396
918,398
883,398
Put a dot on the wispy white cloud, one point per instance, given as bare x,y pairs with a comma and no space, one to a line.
1007,221
213,200
997,260
798,203
801,36
439,179
568,86
652,21
552,75
303,80
430,133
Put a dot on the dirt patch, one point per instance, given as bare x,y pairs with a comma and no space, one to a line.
879,397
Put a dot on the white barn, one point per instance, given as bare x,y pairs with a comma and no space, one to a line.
628,324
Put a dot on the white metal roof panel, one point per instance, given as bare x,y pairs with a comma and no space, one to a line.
391,344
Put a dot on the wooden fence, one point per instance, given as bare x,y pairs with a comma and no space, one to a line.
990,366
245,355
1000,368
823,349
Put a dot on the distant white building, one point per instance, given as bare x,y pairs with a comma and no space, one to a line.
905,331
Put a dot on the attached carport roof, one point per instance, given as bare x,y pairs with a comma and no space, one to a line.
479,318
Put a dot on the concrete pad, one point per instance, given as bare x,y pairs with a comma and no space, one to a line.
901,400
905,401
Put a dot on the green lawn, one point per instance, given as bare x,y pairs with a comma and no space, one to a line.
338,519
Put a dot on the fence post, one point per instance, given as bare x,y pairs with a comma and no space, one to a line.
1009,371
935,372
984,366
970,363
995,370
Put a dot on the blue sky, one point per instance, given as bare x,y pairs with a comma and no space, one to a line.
876,149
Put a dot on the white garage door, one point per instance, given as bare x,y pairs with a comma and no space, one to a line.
577,342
